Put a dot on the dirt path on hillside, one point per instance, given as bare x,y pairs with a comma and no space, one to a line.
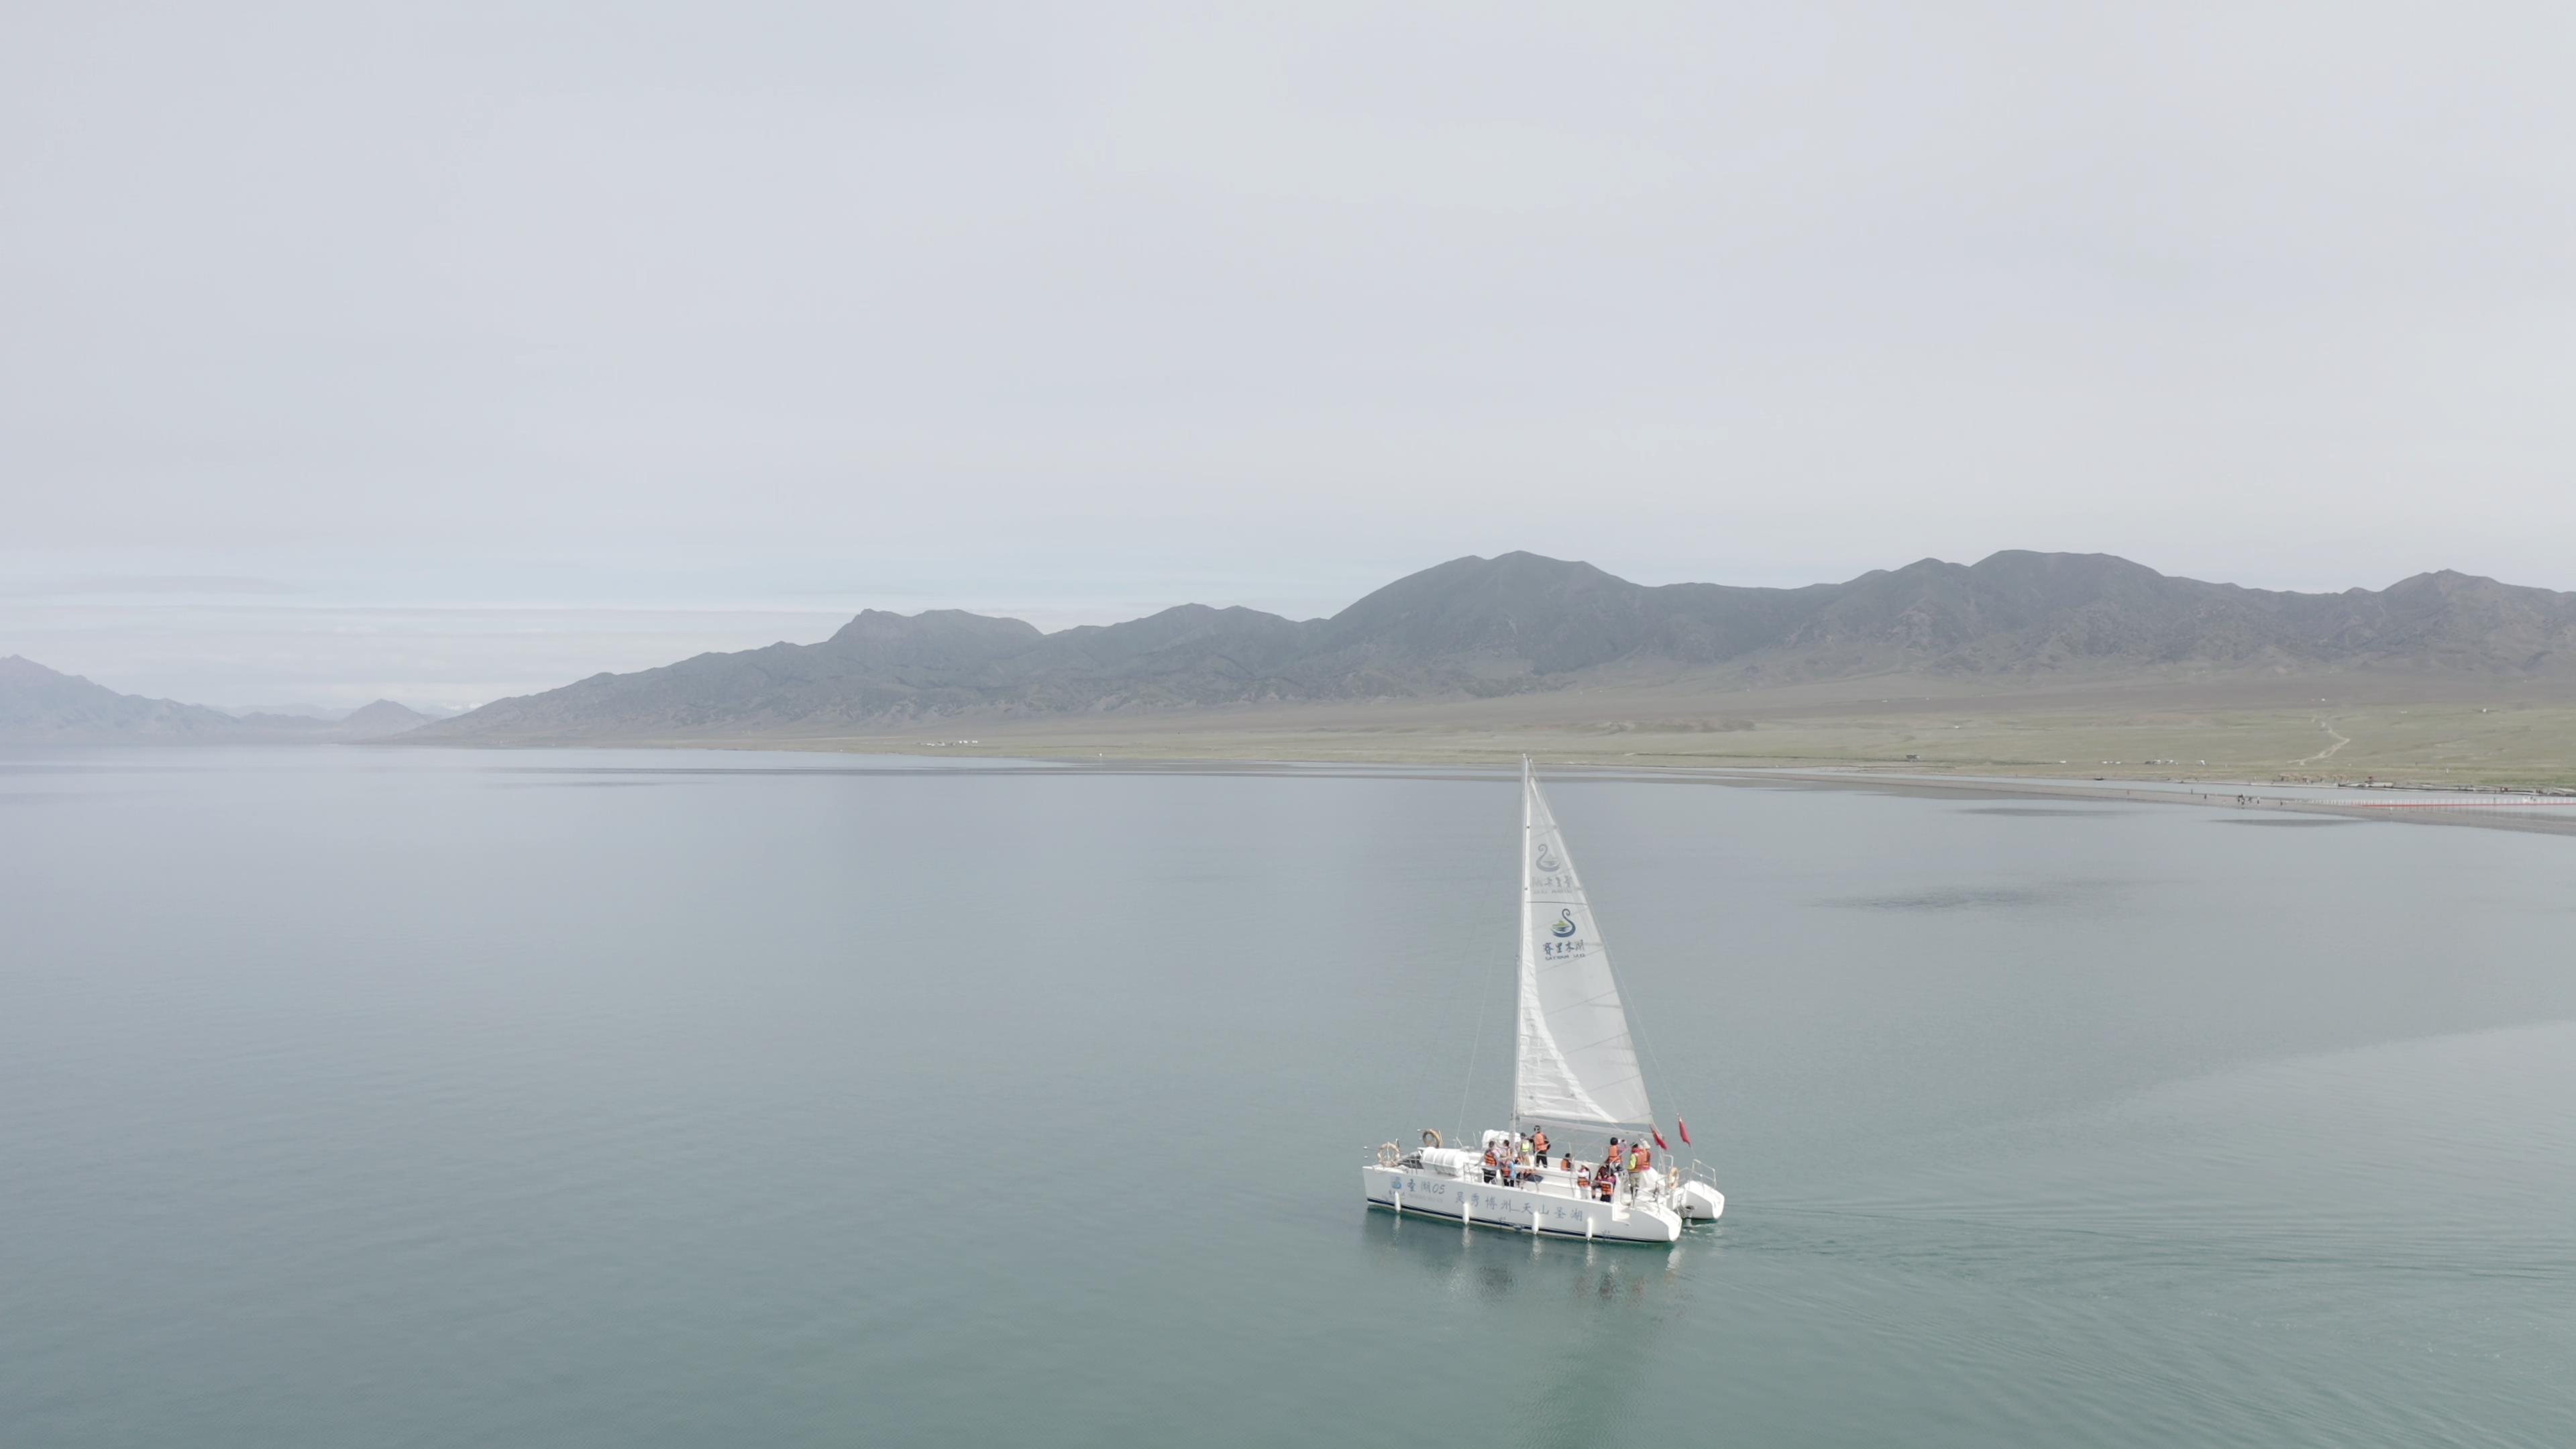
2328,752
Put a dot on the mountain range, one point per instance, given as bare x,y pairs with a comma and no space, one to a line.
41,706
1522,623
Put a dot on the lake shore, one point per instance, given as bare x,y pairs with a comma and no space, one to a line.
2249,802
2256,802
2442,734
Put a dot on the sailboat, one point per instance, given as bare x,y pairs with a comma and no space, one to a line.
1576,1071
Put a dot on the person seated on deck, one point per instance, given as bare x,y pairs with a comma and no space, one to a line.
1582,1178
1565,1163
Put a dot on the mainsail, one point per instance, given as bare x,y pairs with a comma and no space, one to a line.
1576,1062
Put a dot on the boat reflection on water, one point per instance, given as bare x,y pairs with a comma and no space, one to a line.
1442,1257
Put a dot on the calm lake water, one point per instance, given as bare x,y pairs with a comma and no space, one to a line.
641,1098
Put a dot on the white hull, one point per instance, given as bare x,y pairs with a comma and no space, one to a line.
1549,1209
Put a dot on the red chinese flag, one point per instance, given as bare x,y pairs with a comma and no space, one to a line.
1685,1126
1659,1138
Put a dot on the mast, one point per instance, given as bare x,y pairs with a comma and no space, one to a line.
1528,889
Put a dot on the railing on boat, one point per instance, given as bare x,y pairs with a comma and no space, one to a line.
1557,1182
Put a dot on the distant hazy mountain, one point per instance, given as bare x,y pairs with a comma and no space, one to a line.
367,722
384,717
297,711
41,706
1518,623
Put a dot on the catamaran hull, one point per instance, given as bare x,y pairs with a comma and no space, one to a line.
1519,1210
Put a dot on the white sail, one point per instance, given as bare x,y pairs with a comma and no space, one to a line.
1576,1062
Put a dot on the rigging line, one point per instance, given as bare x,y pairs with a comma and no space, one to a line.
1637,1028
1476,1049
1462,981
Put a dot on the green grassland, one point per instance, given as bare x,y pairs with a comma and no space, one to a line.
2435,732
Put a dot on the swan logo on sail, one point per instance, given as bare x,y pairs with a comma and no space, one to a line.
1547,861
1564,926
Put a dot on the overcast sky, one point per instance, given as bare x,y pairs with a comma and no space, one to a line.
451,350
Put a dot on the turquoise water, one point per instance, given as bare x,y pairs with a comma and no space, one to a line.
635,1098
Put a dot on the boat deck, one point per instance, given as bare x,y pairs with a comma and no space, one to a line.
1549,1207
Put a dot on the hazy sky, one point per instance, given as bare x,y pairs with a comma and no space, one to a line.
450,350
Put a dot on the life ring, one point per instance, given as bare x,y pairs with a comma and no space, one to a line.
1387,1156
1430,1137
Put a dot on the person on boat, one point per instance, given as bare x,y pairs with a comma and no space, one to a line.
1538,1142
1492,1165
1565,1163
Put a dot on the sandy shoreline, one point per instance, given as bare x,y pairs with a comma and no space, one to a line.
2483,806
2253,801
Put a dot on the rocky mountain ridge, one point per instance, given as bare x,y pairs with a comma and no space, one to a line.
1522,623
